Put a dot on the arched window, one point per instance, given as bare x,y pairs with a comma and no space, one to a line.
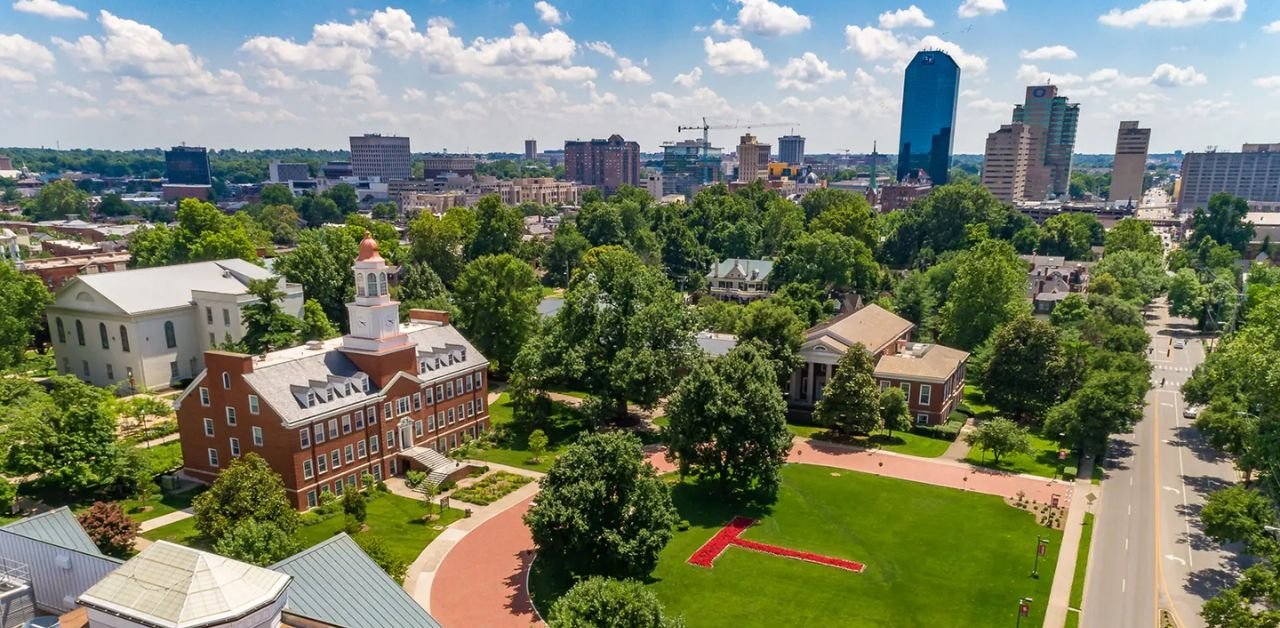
62,330
372,290
382,284
359,284
102,332
170,338
124,339
79,333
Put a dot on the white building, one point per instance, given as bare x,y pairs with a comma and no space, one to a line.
149,328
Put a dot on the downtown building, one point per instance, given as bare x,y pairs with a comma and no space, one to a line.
753,159
791,149
1055,118
930,89
1129,167
1252,174
187,165
688,166
606,164
386,397
1011,166
383,156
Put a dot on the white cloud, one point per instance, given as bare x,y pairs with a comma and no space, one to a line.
702,101
1272,28
841,106
603,48
986,105
19,56
473,89
1207,108
763,17
547,13
1115,78
1169,75
629,72
1048,52
974,8
413,94
1175,13
735,56
690,78
51,9
69,91
807,72
910,16
973,64
1268,82
874,43
1028,73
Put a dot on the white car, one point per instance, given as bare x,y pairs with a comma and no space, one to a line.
1191,412
1179,344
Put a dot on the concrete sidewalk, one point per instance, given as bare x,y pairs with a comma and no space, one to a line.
164,520
1064,574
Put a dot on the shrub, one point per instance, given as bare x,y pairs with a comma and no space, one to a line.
257,543
378,550
110,528
353,504
491,488
599,601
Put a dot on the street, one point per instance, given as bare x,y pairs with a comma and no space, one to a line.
1148,550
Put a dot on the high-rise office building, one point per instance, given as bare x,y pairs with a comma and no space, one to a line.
530,150
1130,163
1252,174
930,89
791,149
1011,166
282,172
753,159
1056,117
187,165
686,167
607,164
384,156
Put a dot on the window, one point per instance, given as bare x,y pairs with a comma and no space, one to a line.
377,472
386,410
479,404
926,394
319,433
373,444
62,330
431,422
170,336
102,333
226,381
111,373
208,315
348,453
208,427
335,458
373,414
417,428
308,471
359,284
173,371
324,488
212,341
362,449
351,480
213,457
253,404
79,333
226,317
430,397
333,428
235,447
402,405
85,367
448,389
417,401
359,419
311,499
479,377
257,436
337,487
346,424
453,440
124,339
470,384
906,390
322,463
884,383
439,392
231,415
471,409
922,419
382,283
304,438
329,393
372,289
391,438
450,416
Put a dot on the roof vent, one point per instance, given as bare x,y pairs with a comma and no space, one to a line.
314,345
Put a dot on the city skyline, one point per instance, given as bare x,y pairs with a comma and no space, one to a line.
485,76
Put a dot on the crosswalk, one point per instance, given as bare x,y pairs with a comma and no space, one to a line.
1175,369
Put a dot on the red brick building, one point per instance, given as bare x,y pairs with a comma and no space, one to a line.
606,164
374,401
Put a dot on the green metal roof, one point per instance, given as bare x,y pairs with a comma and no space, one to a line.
337,583
57,527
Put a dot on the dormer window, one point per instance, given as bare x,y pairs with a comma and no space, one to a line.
311,399
329,393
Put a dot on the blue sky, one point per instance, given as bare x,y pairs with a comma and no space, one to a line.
484,75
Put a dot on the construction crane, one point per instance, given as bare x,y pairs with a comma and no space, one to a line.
706,140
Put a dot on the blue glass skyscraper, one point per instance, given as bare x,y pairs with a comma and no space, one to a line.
929,93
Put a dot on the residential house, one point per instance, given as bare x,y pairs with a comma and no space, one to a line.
740,279
1051,279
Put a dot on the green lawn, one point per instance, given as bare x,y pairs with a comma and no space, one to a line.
1082,564
577,394
512,447
397,520
909,443
976,402
934,557
167,503
1043,460
491,488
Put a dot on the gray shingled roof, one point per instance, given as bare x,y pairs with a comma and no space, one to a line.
337,583
167,287
762,266
56,527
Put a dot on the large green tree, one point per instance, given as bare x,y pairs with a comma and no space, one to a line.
990,288
1109,402
203,233
602,510
779,329
498,228
565,254
257,543
497,298
22,303
728,422
830,260
598,602
67,435
439,242
267,326
58,200
1024,374
247,490
1223,221
851,401
1000,437
322,262
1131,234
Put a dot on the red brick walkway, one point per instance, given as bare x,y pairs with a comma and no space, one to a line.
481,583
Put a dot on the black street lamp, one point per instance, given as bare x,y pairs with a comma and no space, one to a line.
1042,545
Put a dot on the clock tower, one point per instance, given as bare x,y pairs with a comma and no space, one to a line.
374,317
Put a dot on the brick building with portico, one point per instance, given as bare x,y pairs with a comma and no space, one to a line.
386,396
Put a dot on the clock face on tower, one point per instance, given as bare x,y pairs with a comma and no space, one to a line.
361,322
389,325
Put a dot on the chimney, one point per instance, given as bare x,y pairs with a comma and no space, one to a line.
438,316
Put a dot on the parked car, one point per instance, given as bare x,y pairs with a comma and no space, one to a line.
1191,412
1179,344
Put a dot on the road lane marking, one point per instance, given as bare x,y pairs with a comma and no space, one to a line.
1126,544
1131,510
1182,475
1122,585
1170,488
1177,558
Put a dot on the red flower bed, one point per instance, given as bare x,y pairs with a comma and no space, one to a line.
731,535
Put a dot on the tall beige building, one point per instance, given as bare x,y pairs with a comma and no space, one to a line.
1011,167
753,159
1130,164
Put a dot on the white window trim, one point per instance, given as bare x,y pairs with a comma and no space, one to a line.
304,438
204,397
925,399
922,419
257,436
234,444
213,457
253,404
308,470
231,415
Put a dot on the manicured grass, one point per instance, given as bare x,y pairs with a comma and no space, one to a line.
661,421
577,394
512,447
1082,562
491,488
805,431
908,443
1098,472
169,502
1043,460
976,402
933,556
395,519
163,458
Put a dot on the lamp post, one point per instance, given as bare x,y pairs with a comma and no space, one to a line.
1024,609
1042,545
